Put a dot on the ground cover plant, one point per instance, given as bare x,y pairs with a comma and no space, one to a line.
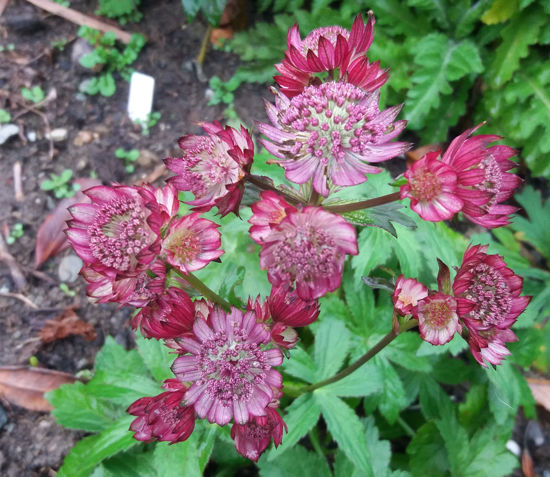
387,297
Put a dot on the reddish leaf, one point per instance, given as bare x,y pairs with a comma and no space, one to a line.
51,239
25,386
527,465
541,391
66,324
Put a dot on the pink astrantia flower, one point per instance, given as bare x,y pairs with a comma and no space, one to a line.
308,247
432,188
330,133
191,243
438,319
328,49
251,439
112,232
483,178
408,292
136,289
162,417
169,316
495,289
213,167
283,335
267,213
288,308
232,375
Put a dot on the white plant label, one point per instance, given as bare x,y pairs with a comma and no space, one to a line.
140,99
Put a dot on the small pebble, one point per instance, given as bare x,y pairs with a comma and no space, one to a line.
147,158
31,136
513,447
68,269
534,433
7,131
58,134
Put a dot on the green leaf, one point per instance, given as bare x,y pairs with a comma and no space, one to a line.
500,11
393,398
427,455
297,461
519,34
106,84
177,460
300,417
456,441
90,451
381,216
75,408
375,249
346,429
365,381
331,346
439,60
300,365
156,356
91,59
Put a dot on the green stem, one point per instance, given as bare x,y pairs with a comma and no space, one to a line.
385,341
408,429
204,290
204,45
263,184
364,204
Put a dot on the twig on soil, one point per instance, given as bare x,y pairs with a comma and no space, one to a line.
156,174
81,18
20,297
17,182
15,269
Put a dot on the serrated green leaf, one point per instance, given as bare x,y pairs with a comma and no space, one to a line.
346,430
156,356
363,382
500,11
375,248
427,455
90,451
331,346
300,365
300,417
456,442
178,459
393,398
518,35
297,461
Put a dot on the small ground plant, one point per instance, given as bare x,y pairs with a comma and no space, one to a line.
108,59
34,94
129,157
275,288
122,10
61,184
146,124
15,233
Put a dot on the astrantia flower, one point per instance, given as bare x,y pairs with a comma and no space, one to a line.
432,188
251,439
231,373
328,49
111,232
438,318
330,133
283,335
408,292
169,316
483,178
495,289
162,417
267,213
191,243
288,308
213,167
135,289
308,247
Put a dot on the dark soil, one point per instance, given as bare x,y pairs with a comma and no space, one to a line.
31,443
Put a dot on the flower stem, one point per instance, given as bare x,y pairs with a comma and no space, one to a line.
204,290
385,341
364,204
264,184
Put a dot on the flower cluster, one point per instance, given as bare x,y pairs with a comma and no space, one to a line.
471,177
327,132
483,303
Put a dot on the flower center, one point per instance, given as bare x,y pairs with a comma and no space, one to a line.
119,233
311,42
424,184
210,166
332,119
493,176
491,293
306,253
438,313
231,367
183,244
